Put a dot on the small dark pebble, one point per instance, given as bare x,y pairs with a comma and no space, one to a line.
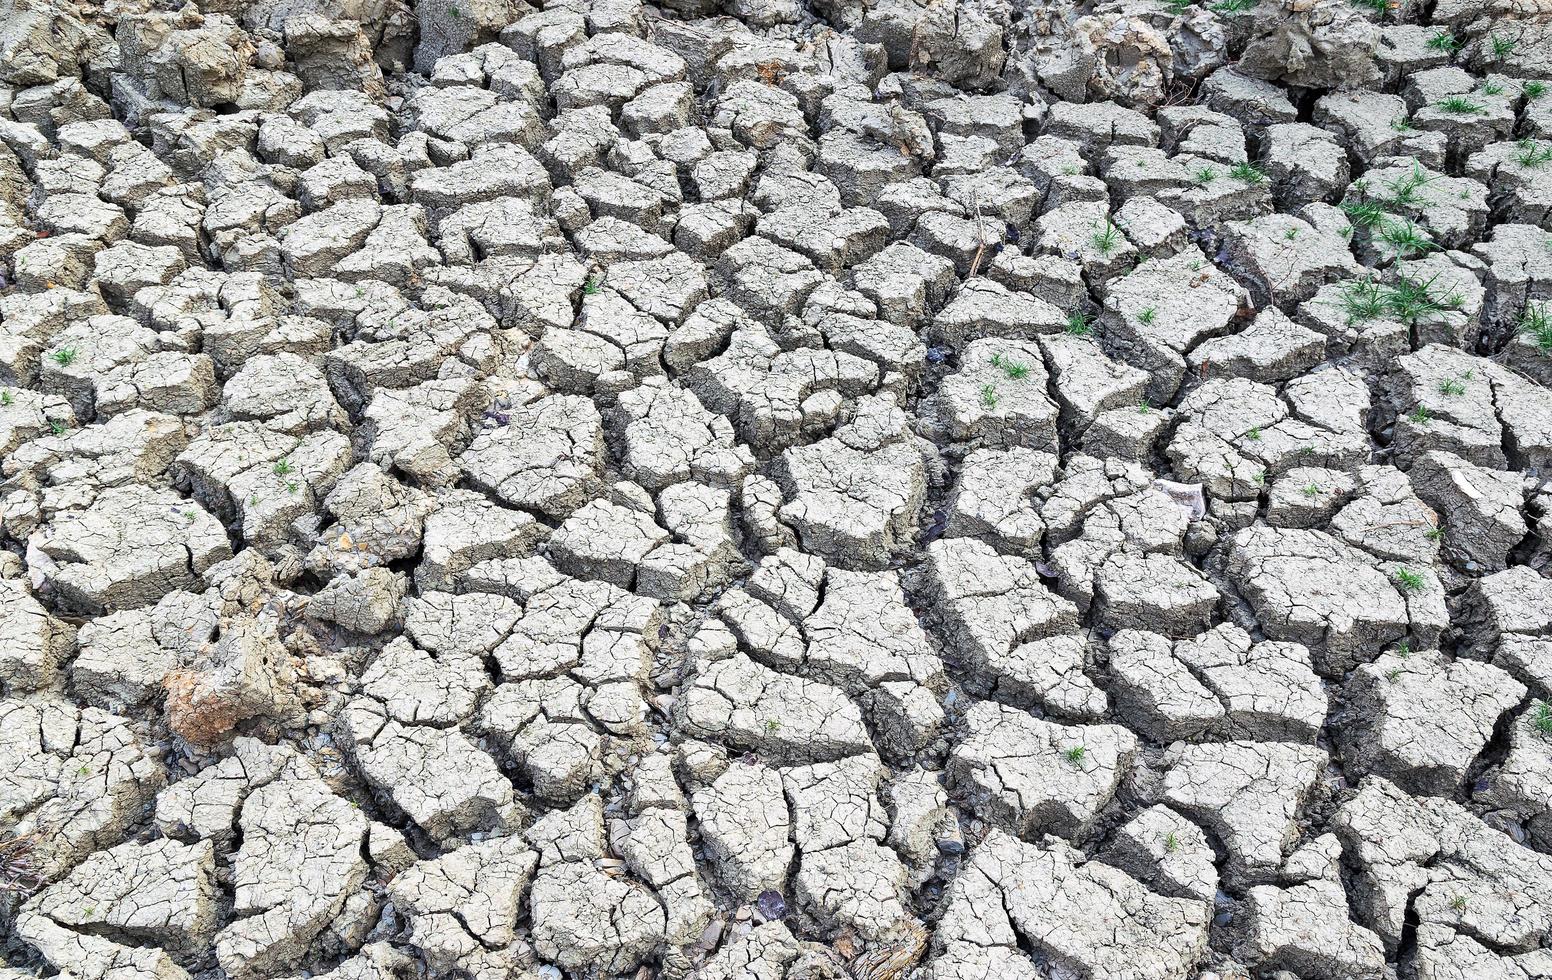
771,905
938,525
937,355
949,845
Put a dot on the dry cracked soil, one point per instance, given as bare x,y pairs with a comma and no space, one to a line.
775,489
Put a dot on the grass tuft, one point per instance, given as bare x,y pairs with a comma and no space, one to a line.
1404,189
1013,369
1408,581
1459,105
1532,155
1406,238
1106,239
1537,322
1412,300
1363,300
1542,719
1364,214
1248,172
1444,41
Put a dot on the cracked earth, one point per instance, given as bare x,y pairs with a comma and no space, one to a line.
765,489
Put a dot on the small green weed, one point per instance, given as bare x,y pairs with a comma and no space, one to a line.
1408,581
1078,324
1503,47
1459,105
1537,322
1444,41
1542,719
1412,300
1106,239
1013,369
1363,301
64,357
1532,155
1420,415
1148,315
989,397
1075,755
1406,238
1364,214
1247,172
1404,189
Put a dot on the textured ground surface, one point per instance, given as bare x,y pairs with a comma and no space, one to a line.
775,488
